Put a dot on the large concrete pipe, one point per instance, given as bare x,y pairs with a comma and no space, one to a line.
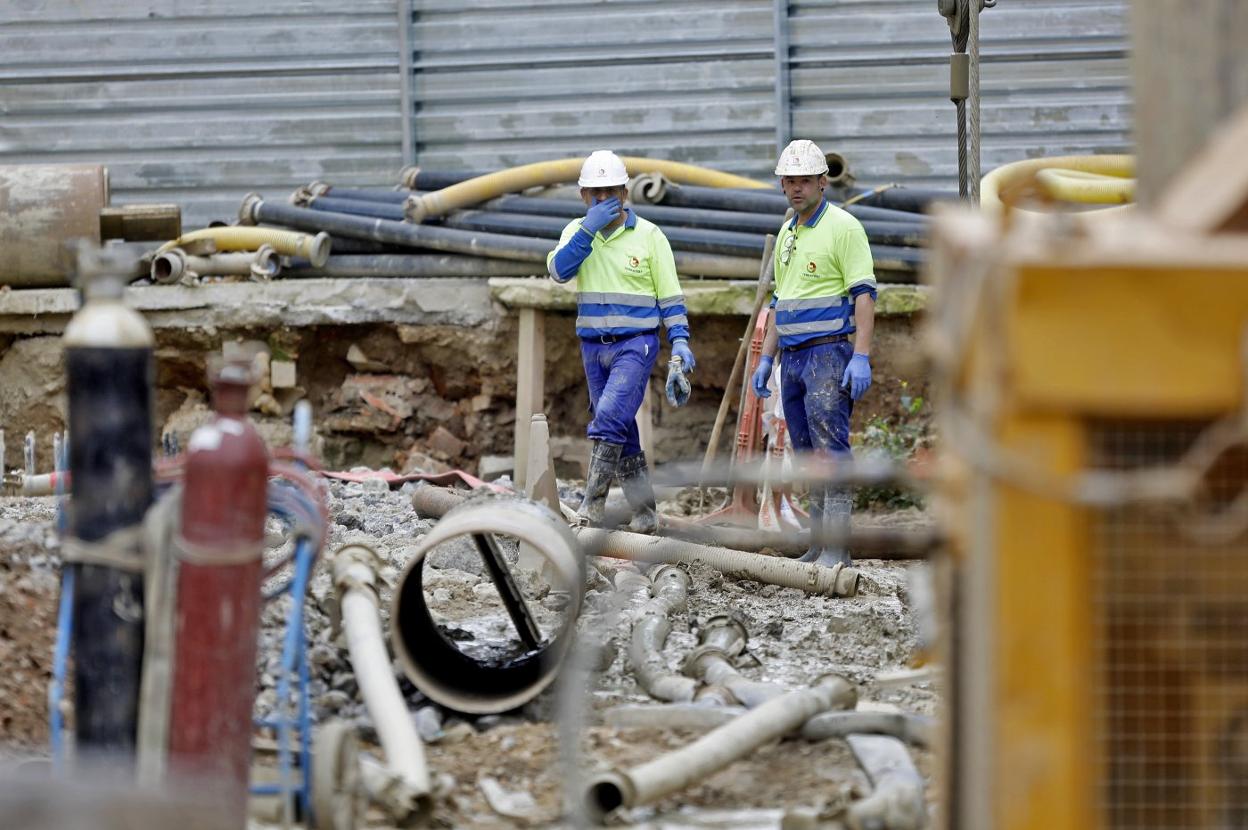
47,206
443,672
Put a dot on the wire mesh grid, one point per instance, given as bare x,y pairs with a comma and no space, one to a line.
1171,643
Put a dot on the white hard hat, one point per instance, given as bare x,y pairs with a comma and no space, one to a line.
802,158
603,168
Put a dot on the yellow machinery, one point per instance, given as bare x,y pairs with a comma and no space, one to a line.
1095,426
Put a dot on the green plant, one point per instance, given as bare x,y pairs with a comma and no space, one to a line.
894,438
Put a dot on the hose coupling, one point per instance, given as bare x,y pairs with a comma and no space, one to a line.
247,211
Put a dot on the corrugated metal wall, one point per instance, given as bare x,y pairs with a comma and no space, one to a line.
870,79
200,102
501,82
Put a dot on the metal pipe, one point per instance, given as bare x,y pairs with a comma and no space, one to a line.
47,206
915,730
868,542
909,232
722,638
838,581
173,265
409,791
440,670
141,222
418,265
914,200
897,801
622,789
255,209
754,201
669,588
524,249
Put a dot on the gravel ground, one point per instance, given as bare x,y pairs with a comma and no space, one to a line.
794,638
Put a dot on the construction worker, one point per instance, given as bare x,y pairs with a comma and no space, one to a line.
626,287
825,292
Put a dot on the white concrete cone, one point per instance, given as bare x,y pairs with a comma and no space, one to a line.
540,483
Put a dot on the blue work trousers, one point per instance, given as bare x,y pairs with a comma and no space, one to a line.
816,408
618,373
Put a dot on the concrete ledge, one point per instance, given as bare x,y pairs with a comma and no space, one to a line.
720,297
302,302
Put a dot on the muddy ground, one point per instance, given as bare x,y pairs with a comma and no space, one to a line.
794,638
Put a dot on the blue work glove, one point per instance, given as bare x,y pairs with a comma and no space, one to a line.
857,375
680,348
677,386
600,215
762,375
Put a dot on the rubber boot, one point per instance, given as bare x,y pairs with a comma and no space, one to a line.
817,495
635,479
838,504
604,459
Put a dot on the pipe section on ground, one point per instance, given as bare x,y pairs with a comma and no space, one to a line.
721,640
482,189
669,589
408,791
440,670
897,801
47,206
864,542
837,581
622,789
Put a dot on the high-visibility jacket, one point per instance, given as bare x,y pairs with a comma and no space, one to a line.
627,284
821,265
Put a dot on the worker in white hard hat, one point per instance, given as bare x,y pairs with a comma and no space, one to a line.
626,288
825,295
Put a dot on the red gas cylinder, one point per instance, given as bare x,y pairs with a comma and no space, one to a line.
219,548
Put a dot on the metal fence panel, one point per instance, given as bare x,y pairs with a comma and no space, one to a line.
199,103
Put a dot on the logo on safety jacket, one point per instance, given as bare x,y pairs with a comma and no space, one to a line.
811,267
634,262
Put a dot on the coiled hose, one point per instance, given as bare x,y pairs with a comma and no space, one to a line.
1079,179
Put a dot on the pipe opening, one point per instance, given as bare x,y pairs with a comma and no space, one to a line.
604,797
474,629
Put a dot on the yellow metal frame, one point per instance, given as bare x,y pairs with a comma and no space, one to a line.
1133,322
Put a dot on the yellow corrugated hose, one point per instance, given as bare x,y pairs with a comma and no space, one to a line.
484,188
1085,188
288,243
1092,180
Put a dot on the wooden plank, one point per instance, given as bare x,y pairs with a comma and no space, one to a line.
530,384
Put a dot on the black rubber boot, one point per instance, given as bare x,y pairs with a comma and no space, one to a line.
834,514
603,462
635,479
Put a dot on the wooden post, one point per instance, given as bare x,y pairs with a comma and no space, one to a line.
645,425
1190,70
530,385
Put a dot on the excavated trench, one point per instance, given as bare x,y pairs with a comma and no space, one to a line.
429,396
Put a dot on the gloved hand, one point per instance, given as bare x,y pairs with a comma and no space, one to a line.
857,375
601,214
762,375
677,384
680,348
